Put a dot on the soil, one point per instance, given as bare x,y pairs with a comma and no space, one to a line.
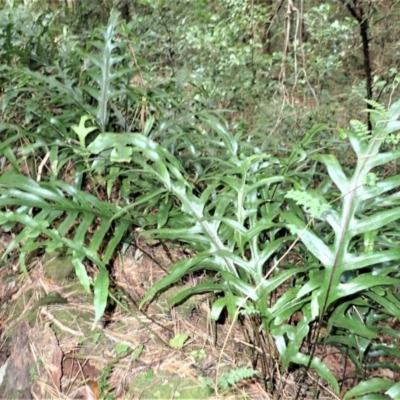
51,348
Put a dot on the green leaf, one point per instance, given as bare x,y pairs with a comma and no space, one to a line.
207,287
100,235
80,271
163,211
178,270
321,369
178,341
100,294
340,321
296,338
360,283
82,131
220,129
391,307
9,154
217,307
373,385
314,244
394,391
121,348
313,203
120,230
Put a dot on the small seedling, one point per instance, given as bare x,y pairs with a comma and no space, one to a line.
206,382
149,374
179,341
198,354
95,337
121,348
234,376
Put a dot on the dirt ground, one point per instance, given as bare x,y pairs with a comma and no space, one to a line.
50,348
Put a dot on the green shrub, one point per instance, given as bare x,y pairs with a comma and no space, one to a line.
168,166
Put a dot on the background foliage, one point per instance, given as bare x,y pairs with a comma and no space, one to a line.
236,129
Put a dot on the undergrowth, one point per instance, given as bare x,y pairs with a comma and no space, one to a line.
82,146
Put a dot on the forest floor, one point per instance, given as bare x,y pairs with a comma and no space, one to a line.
50,347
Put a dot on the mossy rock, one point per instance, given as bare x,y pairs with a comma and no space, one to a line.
58,266
185,308
72,316
148,385
18,308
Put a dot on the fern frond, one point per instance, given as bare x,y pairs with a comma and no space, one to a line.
361,130
378,108
312,203
61,202
234,376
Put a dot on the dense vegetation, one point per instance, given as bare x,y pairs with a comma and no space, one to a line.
260,135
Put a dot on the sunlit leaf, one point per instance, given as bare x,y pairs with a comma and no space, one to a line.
373,385
101,283
80,271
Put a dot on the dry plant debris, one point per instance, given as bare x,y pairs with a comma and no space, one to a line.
47,336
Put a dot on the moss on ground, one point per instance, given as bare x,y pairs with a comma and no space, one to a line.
162,385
